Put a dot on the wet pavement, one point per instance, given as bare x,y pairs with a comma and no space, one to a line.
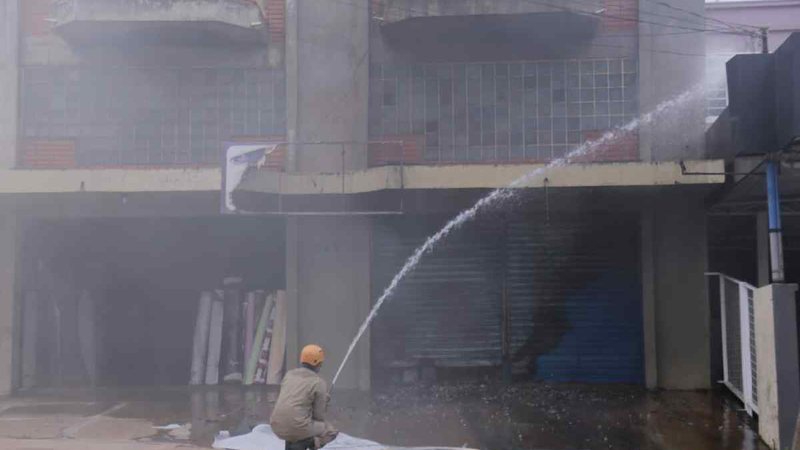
484,416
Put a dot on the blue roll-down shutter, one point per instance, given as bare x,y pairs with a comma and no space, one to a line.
569,289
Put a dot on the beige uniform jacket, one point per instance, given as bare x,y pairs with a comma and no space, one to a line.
300,410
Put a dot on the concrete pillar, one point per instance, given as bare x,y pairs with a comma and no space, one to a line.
681,307
29,334
329,292
292,291
762,248
777,363
8,304
9,81
327,65
292,85
664,73
649,298
328,276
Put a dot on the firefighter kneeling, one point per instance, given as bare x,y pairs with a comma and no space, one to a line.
299,414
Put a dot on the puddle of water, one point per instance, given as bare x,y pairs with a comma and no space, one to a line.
492,416
51,409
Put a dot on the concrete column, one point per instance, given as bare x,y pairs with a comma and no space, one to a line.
664,73
9,81
777,363
328,258
8,304
292,84
681,307
293,247
29,335
762,248
327,65
330,282
649,298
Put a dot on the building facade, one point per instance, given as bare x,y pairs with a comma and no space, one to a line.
387,118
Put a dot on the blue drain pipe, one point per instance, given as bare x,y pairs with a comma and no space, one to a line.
775,231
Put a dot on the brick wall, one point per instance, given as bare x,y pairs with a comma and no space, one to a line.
623,147
409,150
275,11
276,161
377,8
395,150
47,154
621,15
274,14
34,17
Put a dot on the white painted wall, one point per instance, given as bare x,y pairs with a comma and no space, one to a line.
778,386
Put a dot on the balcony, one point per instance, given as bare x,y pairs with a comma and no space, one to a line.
457,30
212,22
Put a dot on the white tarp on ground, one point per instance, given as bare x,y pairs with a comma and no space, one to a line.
262,438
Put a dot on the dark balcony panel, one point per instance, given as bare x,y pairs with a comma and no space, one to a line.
208,22
491,37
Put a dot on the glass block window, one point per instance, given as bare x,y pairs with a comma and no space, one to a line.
716,85
502,111
151,116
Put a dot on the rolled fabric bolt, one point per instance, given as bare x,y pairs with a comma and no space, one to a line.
200,342
214,342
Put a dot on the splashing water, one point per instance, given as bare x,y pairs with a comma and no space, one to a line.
505,193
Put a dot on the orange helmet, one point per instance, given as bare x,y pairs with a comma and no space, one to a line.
312,355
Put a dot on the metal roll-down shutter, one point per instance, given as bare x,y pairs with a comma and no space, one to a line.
558,301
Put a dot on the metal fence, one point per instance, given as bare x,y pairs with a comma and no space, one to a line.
737,322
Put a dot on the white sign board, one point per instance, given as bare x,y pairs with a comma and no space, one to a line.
239,158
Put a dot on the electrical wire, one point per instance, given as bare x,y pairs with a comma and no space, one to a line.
697,28
649,50
701,17
670,17
684,31
627,19
741,27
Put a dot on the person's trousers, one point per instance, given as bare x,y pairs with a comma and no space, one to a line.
326,437
305,444
317,442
